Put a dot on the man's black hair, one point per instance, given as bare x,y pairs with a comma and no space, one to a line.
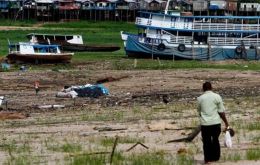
207,86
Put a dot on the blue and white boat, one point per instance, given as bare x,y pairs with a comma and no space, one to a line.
37,53
194,37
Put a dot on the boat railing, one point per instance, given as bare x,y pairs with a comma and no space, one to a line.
231,27
181,39
233,41
200,25
178,39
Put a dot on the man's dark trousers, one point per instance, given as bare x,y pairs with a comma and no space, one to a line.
211,146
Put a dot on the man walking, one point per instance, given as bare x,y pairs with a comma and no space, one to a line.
211,111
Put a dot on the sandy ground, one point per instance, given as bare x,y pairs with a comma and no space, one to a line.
135,104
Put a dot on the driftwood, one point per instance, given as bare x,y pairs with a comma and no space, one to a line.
136,145
109,79
190,137
108,128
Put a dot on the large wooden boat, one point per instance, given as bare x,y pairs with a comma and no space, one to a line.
70,42
194,37
37,53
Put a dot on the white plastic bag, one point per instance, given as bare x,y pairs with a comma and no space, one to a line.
1,100
228,140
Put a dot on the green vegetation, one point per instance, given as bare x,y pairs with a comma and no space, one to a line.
66,147
87,159
251,126
253,154
21,23
234,157
154,158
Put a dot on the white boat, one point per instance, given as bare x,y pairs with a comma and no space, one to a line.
37,53
194,37
70,42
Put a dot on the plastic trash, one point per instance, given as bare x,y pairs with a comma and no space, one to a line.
5,66
1,100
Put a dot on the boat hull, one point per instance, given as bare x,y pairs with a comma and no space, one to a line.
66,46
82,48
32,58
137,49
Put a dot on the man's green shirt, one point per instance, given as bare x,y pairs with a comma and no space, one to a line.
209,105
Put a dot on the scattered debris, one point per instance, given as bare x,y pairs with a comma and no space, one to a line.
109,79
87,90
109,128
92,153
50,106
12,115
182,151
158,126
136,145
5,66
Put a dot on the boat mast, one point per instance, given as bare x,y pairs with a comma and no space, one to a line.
167,6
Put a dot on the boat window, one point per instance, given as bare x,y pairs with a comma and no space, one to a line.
60,38
144,15
69,37
52,50
50,37
40,37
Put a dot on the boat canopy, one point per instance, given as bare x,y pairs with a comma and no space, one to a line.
74,39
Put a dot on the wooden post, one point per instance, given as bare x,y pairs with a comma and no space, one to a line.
152,48
192,46
113,150
209,51
135,63
158,59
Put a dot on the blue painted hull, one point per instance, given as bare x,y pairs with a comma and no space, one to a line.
136,49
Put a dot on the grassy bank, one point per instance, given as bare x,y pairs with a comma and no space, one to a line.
94,33
107,33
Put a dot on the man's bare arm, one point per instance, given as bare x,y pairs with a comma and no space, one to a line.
223,117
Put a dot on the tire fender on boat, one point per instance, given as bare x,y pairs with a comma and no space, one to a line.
238,50
181,47
161,47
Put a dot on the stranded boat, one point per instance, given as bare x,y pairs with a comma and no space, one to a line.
194,37
37,53
69,42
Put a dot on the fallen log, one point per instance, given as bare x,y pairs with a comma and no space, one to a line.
190,137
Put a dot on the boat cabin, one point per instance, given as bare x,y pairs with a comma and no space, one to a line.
49,38
30,48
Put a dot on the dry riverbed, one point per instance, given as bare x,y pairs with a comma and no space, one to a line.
134,112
